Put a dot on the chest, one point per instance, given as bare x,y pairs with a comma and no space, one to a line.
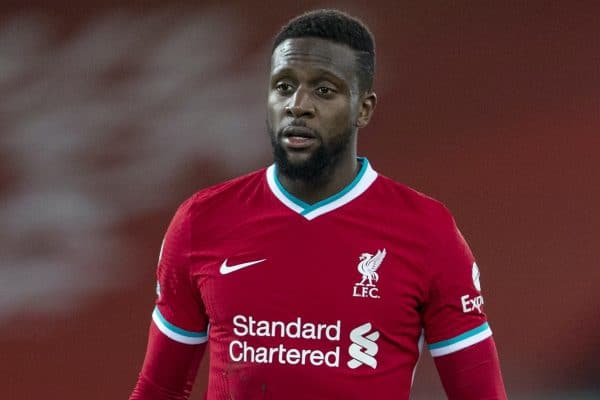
345,268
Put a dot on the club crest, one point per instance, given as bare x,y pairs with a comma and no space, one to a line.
368,265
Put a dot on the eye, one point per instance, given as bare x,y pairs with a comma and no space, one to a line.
284,88
325,91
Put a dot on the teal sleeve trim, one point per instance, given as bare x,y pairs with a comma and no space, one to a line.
460,337
176,329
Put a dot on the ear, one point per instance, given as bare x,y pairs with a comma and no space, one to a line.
367,106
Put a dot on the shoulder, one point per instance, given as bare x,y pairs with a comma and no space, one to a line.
430,211
221,196
231,188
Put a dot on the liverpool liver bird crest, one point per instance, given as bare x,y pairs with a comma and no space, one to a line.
368,266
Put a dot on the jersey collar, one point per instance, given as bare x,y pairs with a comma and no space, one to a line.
363,180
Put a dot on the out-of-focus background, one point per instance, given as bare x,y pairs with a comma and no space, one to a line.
111,114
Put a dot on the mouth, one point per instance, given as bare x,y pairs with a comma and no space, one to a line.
298,137
299,131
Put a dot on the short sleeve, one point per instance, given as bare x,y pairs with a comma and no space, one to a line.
453,316
179,311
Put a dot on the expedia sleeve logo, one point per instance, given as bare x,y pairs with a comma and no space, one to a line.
469,303
475,275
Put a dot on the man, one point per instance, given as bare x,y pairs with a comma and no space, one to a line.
317,278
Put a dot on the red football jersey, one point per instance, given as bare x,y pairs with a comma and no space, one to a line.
324,301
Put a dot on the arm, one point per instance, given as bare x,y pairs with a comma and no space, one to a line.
456,328
169,368
179,328
472,373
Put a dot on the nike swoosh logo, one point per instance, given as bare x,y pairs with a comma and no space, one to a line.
227,269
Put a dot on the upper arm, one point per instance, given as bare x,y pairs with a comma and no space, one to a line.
456,328
453,315
179,329
179,313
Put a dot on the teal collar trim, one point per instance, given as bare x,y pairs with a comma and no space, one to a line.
363,180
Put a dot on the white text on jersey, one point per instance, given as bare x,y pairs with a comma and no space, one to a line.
296,329
470,304
249,345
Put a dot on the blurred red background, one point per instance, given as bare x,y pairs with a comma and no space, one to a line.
112,114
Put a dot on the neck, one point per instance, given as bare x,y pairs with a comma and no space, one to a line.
328,184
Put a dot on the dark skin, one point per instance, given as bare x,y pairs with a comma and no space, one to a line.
314,85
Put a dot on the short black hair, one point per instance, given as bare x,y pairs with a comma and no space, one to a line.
341,28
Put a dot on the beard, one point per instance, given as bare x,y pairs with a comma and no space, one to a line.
320,163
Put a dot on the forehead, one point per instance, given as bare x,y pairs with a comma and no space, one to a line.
310,54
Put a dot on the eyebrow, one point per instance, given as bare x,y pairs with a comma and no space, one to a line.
323,74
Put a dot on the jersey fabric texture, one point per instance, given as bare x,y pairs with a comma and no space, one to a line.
323,301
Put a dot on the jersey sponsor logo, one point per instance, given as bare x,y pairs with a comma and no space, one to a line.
475,275
246,328
368,265
364,346
296,329
227,269
300,342
242,351
471,303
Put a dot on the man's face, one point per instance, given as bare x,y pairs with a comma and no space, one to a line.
313,105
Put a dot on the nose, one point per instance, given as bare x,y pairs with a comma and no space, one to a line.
300,105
